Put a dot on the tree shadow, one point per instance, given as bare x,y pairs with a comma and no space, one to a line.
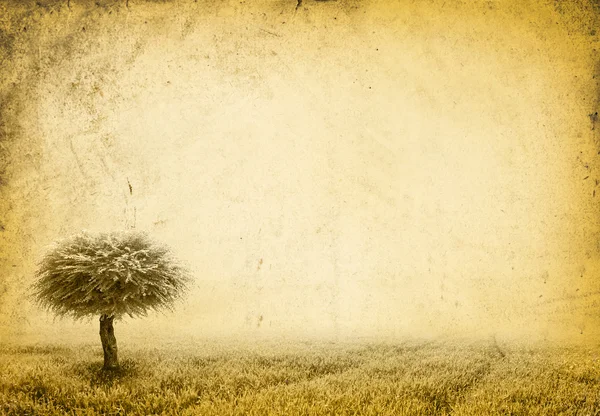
100,377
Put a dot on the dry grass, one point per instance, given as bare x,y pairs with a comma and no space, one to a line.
410,378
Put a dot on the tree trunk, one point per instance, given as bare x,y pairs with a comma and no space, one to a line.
109,342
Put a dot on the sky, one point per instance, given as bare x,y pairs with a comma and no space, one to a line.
325,169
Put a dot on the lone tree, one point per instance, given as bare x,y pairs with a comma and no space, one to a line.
108,275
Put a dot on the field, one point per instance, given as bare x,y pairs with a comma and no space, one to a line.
303,378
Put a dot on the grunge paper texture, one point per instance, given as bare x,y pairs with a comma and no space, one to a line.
325,168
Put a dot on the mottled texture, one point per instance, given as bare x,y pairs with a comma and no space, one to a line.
326,168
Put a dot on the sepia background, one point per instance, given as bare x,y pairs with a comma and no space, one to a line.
326,169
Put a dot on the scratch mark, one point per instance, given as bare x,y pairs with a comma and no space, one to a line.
298,4
105,166
79,164
566,298
273,33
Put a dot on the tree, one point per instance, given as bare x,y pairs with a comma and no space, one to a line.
109,275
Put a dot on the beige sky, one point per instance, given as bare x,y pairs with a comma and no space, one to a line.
343,168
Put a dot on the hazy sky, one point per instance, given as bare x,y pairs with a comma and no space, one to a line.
339,168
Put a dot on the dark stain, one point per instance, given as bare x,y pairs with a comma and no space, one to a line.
50,6
130,187
578,16
7,41
593,119
596,79
260,262
138,49
11,94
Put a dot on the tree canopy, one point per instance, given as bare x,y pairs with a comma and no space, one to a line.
111,274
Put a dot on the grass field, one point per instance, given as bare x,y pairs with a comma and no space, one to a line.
204,378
